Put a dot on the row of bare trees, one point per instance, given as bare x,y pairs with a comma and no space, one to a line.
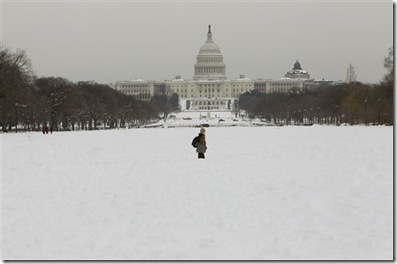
63,105
352,103
32,103
15,76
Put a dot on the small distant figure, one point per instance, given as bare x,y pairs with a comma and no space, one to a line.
43,130
46,129
51,130
201,144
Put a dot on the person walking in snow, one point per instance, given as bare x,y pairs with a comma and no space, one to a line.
202,144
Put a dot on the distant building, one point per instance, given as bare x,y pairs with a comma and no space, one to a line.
260,85
350,74
159,88
210,89
138,88
323,83
112,85
285,85
209,65
295,81
297,72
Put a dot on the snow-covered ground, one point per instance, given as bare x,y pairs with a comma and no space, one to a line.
205,118
262,193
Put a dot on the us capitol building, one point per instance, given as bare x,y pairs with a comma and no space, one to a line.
210,89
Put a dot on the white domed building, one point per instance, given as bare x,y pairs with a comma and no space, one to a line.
297,72
209,65
295,80
209,89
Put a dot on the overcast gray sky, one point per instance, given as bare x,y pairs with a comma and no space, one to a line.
109,41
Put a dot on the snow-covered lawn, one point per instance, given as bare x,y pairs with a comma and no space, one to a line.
265,193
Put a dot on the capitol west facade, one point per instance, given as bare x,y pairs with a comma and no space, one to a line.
210,89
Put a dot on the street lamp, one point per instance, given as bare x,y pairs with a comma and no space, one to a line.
336,114
365,102
378,111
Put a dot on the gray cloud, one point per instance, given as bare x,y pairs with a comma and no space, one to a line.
112,41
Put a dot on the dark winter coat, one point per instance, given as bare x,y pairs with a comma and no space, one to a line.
201,148
202,145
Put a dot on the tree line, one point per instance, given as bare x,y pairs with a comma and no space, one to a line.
34,103
351,103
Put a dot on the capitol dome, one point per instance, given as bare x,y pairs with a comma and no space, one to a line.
209,46
297,65
209,65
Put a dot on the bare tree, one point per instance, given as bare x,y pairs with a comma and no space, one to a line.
388,63
16,76
55,91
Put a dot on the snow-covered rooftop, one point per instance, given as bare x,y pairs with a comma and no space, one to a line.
297,72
